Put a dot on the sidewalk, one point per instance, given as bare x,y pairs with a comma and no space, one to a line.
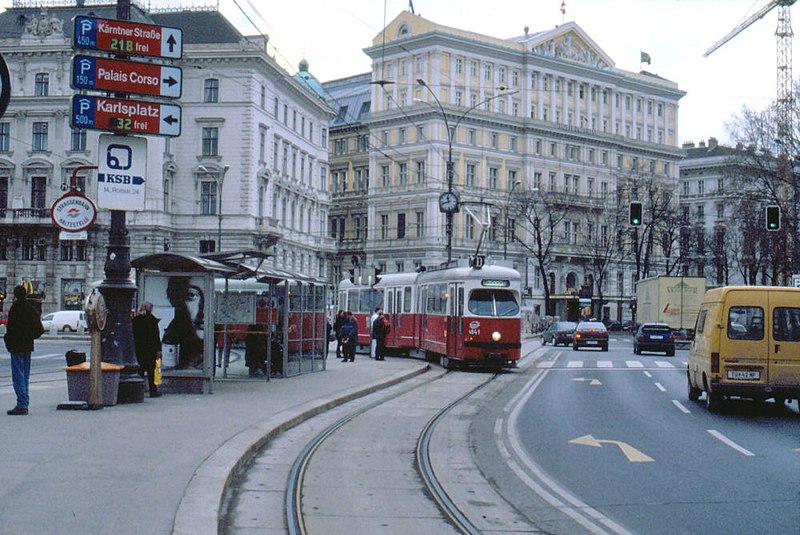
160,466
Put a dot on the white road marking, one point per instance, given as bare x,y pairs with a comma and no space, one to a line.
634,364
663,364
660,387
546,364
680,406
575,364
605,364
728,442
647,374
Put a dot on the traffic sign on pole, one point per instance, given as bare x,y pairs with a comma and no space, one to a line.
121,172
126,76
125,116
130,38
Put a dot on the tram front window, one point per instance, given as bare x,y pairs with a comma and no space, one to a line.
485,302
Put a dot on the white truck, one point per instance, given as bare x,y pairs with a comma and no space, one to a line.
671,300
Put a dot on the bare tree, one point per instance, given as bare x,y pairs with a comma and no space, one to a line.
540,214
600,247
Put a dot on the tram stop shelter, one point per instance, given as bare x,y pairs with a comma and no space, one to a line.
263,322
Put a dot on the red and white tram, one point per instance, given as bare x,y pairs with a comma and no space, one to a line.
459,315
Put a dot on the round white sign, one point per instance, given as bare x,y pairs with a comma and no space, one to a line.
73,212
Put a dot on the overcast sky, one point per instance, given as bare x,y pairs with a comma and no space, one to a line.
331,35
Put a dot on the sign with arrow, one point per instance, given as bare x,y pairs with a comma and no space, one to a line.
633,455
125,116
121,172
129,38
126,77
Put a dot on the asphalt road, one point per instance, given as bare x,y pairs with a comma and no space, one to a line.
48,357
596,442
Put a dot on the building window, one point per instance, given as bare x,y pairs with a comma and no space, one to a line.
207,246
401,226
420,171
38,191
384,226
39,136
469,180
469,228
78,140
420,223
208,197
385,176
3,192
41,85
26,252
492,178
402,175
210,141
5,137
211,90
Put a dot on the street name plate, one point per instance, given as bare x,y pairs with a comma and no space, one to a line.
126,77
124,37
126,116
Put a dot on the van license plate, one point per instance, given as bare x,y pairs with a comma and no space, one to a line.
744,375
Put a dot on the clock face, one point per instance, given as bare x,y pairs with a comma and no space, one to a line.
448,202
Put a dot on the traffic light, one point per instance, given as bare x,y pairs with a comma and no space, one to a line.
352,273
378,272
635,214
773,217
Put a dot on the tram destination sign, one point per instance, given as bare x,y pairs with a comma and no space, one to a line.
124,37
126,77
125,116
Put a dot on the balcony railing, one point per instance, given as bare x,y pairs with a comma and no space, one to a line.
16,214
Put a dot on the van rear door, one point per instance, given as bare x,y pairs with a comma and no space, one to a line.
743,343
784,350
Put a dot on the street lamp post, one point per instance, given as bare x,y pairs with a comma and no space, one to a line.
448,200
505,216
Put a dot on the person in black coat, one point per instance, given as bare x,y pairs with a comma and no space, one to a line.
337,327
147,344
24,326
349,336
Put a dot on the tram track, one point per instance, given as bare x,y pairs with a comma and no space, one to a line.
318,479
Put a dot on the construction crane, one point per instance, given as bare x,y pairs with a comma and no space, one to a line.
783,35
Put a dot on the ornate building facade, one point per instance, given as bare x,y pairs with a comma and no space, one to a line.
249,170
546,116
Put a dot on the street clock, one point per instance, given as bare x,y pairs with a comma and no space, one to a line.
448,202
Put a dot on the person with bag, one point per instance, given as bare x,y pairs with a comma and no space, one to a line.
24,326
380,330
147,344
337,327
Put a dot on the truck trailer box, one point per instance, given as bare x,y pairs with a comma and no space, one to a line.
671,300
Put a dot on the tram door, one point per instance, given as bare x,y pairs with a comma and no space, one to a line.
455,325
394,310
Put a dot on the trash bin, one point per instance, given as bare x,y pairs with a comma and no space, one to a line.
75,357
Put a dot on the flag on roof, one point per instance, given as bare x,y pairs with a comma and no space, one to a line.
411,6
645,58
563,7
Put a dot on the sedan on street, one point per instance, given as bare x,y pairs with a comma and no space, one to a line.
559,332
654,337
590,334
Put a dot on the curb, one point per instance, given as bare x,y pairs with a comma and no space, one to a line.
199,509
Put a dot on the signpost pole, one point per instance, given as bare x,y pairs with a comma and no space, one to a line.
118,291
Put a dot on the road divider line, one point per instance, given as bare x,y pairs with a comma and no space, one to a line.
728,442
648,374
681,407
661,387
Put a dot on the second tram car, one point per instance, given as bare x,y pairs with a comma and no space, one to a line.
458,315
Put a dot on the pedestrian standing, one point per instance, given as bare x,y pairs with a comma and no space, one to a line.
147,344
380,330
349,334
373,339
337,327
24,326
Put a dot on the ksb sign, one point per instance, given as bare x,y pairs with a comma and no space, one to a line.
121,172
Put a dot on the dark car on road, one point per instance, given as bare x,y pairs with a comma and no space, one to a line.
590,334
613,326
559,332
654,337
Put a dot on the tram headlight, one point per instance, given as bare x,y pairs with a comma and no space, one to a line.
496,336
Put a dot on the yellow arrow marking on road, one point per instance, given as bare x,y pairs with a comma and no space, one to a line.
592,382
633,455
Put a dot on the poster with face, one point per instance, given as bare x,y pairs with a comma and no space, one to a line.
179,303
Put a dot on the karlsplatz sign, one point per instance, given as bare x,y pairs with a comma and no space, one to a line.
73,212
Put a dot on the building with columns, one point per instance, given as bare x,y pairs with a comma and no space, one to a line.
547,116
249,170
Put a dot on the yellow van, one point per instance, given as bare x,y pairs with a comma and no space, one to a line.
747,344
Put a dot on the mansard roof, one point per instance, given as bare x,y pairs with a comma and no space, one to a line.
350,97
200,26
